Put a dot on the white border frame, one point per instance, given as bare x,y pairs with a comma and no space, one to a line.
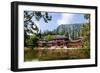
34,64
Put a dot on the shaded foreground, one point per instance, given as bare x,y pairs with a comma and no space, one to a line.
55,54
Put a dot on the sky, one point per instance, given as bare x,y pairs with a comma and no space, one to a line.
59,19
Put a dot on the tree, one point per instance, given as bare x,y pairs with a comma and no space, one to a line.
32,41
30,26
67,34
85,32
87,17
48,37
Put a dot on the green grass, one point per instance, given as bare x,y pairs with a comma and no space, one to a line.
55,54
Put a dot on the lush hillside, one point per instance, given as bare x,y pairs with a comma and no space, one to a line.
71,30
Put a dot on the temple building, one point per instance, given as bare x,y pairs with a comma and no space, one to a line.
61,41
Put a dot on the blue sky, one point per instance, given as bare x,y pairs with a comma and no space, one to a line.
58,19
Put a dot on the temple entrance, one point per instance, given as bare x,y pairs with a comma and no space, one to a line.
60,43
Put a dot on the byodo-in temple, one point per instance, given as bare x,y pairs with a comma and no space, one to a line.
61,41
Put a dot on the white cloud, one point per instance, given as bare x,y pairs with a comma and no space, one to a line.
65,19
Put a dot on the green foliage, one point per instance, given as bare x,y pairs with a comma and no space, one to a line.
85,33
49,33
28,15
67,34
71,30
32,41
28,22
48,37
